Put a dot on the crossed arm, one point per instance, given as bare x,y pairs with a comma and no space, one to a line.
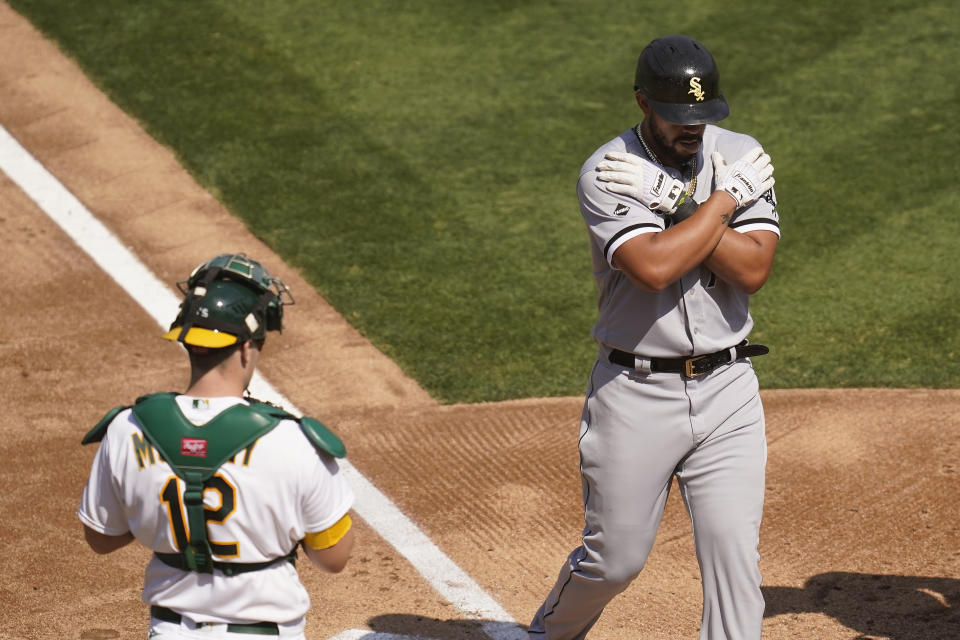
743,260
654,261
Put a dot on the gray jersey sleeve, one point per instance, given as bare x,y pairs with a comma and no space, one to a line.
761,215
611,218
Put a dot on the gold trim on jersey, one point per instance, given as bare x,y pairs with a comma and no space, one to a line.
170,496
329,537
143,449
228,505
249,452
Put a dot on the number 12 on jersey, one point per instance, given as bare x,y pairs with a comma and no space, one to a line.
171,497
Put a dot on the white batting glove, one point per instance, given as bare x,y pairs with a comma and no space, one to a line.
746,179
640,179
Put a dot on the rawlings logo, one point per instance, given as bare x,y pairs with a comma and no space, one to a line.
695,89
193,447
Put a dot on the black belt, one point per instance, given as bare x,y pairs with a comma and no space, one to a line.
693,366
259,628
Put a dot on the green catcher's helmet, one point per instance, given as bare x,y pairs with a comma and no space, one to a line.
229,299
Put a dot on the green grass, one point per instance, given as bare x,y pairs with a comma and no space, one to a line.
418,164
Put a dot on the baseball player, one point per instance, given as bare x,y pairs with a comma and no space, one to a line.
683,228
221,487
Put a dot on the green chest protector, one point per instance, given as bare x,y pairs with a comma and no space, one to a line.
195,453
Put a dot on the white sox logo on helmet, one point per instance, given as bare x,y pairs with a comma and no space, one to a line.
696,89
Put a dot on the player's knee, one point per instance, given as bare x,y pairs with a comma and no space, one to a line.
621,575
619,564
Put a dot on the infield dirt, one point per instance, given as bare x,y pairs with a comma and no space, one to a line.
861,533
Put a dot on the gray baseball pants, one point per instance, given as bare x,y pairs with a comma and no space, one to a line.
637,432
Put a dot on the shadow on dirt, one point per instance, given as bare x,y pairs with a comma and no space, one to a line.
874,605
888,606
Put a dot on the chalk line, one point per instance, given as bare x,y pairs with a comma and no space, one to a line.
162,304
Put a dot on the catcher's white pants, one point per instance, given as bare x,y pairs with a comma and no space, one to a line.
636,433
187,630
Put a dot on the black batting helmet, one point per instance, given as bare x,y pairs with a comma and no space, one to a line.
681,81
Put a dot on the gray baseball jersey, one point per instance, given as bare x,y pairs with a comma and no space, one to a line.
700,314
639,429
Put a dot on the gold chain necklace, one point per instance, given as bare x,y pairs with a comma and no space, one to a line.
690,166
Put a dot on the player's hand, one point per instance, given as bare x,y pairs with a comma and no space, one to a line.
640,179
746,179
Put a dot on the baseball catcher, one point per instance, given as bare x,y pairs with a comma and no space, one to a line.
222,488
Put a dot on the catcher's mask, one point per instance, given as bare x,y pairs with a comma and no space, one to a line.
681,81
229,299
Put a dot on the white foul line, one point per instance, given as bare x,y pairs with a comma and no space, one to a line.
162,304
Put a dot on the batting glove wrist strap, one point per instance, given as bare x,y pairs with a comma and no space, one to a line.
631,175
686,207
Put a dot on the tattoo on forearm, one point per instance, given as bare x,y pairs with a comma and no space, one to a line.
724,218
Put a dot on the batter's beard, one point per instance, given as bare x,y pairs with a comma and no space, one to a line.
666,152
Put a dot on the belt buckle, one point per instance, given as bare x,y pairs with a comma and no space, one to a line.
688,367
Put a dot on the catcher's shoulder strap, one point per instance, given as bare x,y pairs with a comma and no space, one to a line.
195,452
322,438
316,432
100,430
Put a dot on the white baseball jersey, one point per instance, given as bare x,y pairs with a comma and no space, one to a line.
263,502
698,314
